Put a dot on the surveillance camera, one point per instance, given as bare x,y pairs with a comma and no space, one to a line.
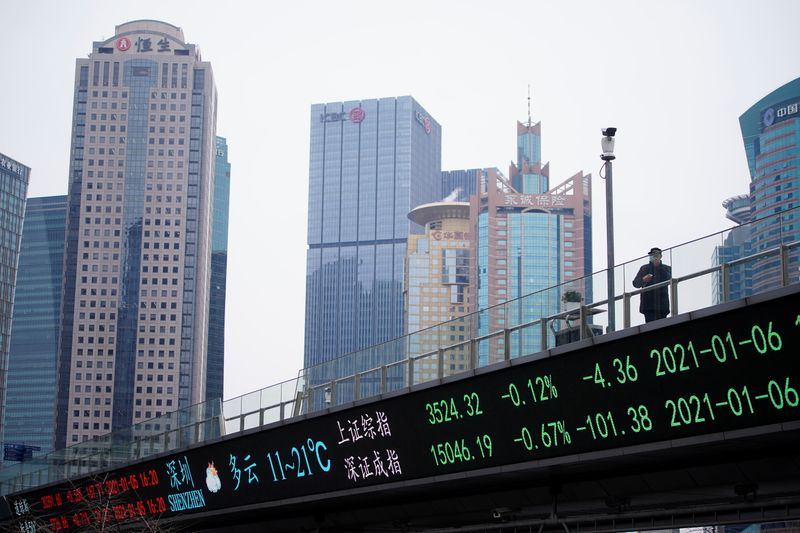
609,132
501,513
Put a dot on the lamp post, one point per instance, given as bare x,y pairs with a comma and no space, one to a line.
607,144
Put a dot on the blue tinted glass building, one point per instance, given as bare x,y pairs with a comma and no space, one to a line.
371,163
31,384
529,236
735,246
13,191
771,135
459,185
219,268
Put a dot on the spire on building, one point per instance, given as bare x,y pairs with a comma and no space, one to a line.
529,106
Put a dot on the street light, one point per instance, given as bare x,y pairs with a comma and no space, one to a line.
607,144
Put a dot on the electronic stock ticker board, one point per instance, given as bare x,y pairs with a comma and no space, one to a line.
728,371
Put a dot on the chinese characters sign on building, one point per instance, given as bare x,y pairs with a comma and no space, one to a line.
146,44
535,200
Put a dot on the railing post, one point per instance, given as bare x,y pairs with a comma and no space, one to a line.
410,371
440,362
543,326
626,310
784,265
357,386
673,289
507,344
726,282
582,320
473,353
383,379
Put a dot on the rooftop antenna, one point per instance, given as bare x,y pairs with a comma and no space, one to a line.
529,105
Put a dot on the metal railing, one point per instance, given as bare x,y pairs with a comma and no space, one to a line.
462,344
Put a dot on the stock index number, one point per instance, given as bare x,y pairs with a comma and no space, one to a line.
626,372
447,410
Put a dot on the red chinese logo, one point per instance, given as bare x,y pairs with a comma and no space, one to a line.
426,123
123,43
357,115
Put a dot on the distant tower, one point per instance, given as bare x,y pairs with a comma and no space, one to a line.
437,287
735,246
14,178
219,269
371,163
138,248
31,393
771,134
527,237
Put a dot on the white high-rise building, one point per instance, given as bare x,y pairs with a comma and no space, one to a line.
134,316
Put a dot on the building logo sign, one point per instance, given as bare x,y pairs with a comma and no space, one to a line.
355,115
425,121
535,200
11,165
450,235
123,44
145,44
778,113
768,117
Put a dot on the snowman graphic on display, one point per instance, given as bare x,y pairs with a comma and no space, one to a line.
212,479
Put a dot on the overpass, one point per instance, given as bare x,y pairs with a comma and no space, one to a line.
692,420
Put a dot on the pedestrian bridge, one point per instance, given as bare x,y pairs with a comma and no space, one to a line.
692,420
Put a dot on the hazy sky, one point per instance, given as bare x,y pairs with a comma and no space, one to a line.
672,76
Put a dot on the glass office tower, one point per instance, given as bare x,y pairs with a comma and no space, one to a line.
771,134
735,246
137,251
30,402
459,185
371,163
219,268
14,178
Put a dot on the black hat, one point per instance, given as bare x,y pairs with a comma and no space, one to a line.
654,251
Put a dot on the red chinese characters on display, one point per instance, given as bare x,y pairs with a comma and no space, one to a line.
105,514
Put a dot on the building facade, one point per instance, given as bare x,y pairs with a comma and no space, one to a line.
771,134
528,237
219,272
31,380
137,249
14,178
371,163
735,246
437,289
459,185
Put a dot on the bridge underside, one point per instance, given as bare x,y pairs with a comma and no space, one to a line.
719,479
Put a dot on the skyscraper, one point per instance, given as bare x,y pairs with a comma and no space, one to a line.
371,163
31,380
527,237
219,269
459,185
138,245
771,134
437,288
735,246
14,178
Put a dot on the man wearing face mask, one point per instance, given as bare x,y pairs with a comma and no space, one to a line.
653,304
